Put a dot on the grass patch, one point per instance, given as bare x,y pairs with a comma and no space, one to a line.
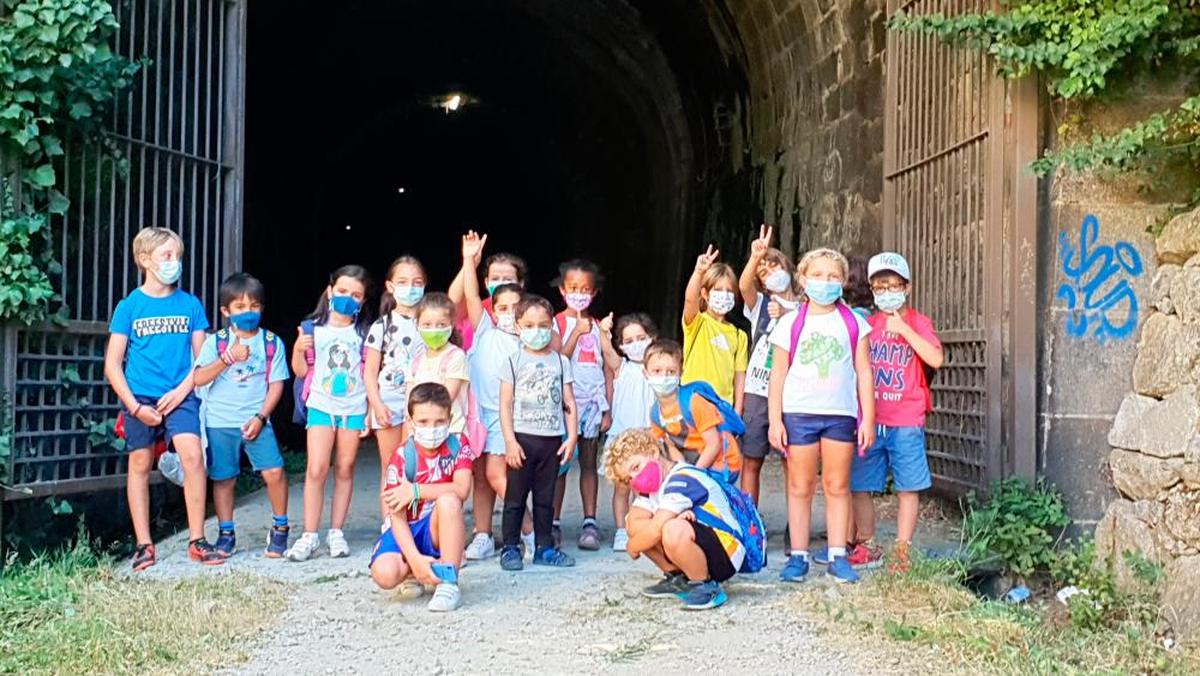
929,608
68,613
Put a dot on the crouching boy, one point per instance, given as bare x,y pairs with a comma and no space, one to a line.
669,519
427,481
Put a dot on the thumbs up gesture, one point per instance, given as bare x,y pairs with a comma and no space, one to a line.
606,324
238,351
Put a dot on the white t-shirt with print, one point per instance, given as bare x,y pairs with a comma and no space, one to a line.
539,382
448,364
397,340
587,363
821,380
632,399
489,358
337,383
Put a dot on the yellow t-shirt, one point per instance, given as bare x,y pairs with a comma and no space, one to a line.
713,351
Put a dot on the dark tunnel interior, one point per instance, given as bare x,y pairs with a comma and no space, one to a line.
586,130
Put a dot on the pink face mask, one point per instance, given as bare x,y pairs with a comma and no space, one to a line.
578,301
648,480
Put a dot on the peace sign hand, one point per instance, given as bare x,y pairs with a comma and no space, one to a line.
759,246
706,259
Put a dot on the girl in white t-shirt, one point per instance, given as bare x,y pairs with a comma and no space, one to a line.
392,343
330,344
821,406
632,397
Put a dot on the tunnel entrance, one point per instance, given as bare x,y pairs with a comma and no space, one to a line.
579,134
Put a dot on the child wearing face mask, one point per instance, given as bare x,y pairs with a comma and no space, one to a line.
500,269
539,420
903,346
442,361
580,339
632,397
392,343
714,350
821,406
328,361
769,291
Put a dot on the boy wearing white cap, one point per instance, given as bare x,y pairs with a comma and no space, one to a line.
903,346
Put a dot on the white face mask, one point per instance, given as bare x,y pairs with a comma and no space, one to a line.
431,437
636,350
778,281
721,302
506,321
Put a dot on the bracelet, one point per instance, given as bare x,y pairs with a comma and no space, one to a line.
261,418
416,497
227,358
135,410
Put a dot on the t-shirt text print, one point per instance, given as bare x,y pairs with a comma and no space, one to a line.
157,326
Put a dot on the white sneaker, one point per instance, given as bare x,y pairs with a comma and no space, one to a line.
446,597
410,589
530,544
304,548
338,547
620,540
482,547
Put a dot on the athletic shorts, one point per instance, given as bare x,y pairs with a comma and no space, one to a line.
317,418
755,443
805,430
495,436
720,568
900,450
422,533
225,446
185,419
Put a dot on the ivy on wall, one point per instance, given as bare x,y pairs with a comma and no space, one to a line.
57,78
1087,48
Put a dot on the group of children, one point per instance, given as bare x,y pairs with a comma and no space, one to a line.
486,393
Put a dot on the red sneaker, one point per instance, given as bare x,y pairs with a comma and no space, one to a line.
865,555
200,550
143,558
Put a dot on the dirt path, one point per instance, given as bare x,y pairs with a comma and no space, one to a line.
589,618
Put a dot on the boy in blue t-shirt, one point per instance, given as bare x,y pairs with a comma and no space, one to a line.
244,368
155,333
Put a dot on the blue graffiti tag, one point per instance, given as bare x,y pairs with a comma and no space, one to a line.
1099,285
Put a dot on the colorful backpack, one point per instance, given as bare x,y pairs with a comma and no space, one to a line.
753,534
302,386
453,442
476,431
731,422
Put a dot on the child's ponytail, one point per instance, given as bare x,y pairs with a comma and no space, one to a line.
387,302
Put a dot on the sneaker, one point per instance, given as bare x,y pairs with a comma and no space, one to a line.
621,540
552,556
481,547
305,548
865,555
410,589
841,570
898,561
201,551
672,586
338,547
556,533
277,540
510,558
821,556
589,537
529,543
143,558
226,543
703,595
795,570
446,597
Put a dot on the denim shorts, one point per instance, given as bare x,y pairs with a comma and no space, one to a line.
185,419
899,449
495,436
804,429
225,446
422,536
317,418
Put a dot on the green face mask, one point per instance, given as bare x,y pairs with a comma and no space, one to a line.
436,338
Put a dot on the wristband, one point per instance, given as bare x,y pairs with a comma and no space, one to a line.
227,358
261,418
135,410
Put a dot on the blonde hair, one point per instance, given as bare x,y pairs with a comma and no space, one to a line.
835,256
149,239
629,443
715,273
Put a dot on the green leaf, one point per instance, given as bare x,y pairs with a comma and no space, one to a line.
58,203
80,110
43,176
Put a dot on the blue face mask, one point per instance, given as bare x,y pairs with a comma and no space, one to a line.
408,296
245,321
535,338
344,305
822,291
168,272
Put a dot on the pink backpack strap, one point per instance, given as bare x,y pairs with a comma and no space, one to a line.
797,329
851,326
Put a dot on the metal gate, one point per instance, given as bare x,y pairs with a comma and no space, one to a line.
960,203
179,135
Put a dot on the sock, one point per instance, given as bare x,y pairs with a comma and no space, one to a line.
589,521
558,522
802,553
835,552
279,520
331,531
311,535
225,525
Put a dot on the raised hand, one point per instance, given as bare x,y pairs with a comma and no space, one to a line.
606,324
706,259
759,246
304,341
472,246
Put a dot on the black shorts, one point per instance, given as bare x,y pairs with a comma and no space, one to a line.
720,568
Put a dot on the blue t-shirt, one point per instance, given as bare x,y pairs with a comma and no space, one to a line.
239,392
160,330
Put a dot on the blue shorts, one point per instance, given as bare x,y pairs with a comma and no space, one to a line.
317,418
225,446
899,449
185,419
804,429
422,535
495,436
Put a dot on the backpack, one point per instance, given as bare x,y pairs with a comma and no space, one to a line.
753,534
268,347
410,455
851,327
302,386
731,422
476,431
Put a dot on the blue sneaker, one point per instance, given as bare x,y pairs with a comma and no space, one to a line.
821,556
226,543
551,556
277,542
703,595
511,559
841,570
795,570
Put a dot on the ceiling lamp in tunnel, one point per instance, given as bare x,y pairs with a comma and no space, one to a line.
452,101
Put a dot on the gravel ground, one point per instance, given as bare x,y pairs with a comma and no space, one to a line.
588,618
